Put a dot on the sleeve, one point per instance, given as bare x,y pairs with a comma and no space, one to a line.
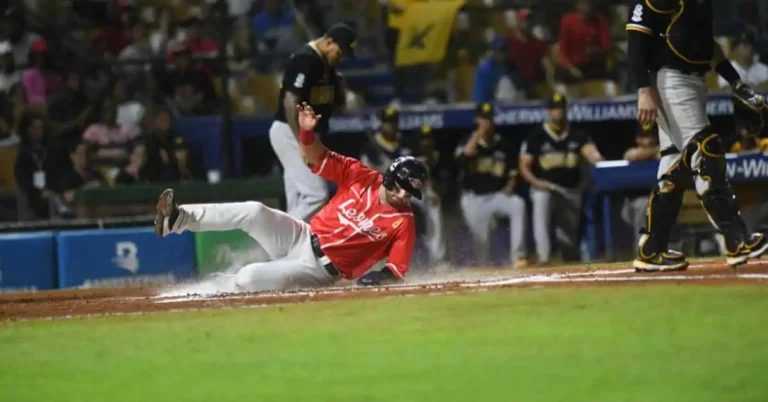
530,146
298,77
399,258
645,20
564,43
340,169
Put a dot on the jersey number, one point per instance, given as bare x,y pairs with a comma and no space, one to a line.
299,82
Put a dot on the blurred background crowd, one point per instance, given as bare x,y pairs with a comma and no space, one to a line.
90,90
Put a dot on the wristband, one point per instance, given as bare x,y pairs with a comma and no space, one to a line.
307,137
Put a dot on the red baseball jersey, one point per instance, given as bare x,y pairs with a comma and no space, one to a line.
355,229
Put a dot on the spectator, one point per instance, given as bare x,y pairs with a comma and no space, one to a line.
633,211
14,107
199,45
167,154
235,8
77,174
96,81
138,50
130,112
188,88
529,54
239,48
110,140
69,108
39,79
9,76
743,59
135,171
33,169
273,27
114,38
489,73
585,43
20,39
159,20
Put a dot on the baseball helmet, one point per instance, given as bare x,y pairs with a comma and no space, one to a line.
408,173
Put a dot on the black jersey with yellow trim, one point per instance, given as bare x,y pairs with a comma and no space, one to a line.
682,31
309,77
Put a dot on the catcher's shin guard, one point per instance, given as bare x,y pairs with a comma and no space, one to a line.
663,207
705,155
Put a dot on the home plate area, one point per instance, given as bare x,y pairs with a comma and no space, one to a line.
212,293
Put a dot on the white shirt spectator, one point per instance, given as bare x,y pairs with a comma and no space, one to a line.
755,75
21,49
130,113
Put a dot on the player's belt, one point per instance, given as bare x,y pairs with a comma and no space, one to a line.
327,264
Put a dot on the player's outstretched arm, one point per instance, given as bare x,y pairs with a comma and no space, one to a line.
312,150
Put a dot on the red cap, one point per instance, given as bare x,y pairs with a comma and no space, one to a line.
523,14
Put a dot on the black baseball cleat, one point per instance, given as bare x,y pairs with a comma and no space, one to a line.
753,247
668,261
167,213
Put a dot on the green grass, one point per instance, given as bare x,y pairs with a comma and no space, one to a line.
645,343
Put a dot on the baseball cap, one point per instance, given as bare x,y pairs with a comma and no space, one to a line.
557,101
744,37
390,115
345,37
426,131
485,110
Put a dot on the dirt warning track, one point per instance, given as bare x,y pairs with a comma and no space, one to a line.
98,302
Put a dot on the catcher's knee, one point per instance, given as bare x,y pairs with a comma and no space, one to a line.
705,156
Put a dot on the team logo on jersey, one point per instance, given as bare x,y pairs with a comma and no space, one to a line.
637,14
416,183
359,222
397,223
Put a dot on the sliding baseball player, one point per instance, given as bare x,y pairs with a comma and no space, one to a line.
369,219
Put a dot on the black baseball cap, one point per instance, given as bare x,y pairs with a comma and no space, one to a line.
390,115
557,101
744,37
485,110
345,37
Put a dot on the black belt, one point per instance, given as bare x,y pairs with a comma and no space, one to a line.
327,264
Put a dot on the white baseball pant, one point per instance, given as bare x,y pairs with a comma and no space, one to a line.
305,192
432,209
683,114
480,209
547,203
286,239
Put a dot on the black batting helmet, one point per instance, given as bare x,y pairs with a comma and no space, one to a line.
407,172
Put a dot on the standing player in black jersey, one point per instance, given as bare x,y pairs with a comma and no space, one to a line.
489,179
670,48
550,161
388,144
309,77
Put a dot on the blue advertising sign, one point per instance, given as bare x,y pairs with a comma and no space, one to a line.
27,261
120,257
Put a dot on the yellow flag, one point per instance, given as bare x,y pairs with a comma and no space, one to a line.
424,31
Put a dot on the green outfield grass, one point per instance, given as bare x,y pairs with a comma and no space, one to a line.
644,343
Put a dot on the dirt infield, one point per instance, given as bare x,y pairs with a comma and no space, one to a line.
91,302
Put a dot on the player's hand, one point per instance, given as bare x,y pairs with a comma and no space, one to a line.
307,118
751,99
372,278
647,105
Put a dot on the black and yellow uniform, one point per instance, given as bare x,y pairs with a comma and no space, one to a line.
490,169
557,153
309,77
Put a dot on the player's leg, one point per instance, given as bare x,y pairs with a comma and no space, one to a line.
274,230
513,207
434,236
703,153
542,214
478,220
308,190
567,214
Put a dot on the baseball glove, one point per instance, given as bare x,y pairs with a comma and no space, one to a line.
751,117
750,99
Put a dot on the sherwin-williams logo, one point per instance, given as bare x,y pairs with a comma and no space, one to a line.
127,256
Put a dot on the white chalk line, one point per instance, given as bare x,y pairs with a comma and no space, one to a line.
595,276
